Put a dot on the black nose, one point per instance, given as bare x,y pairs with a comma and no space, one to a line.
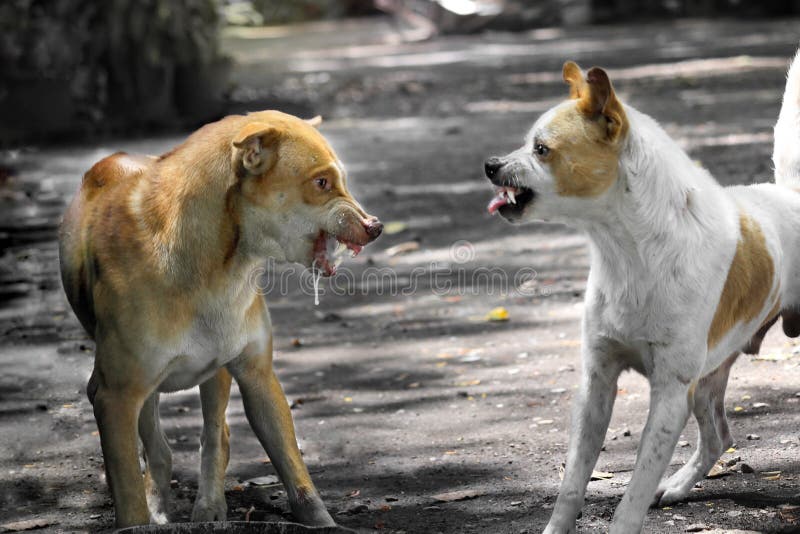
492,165
374,228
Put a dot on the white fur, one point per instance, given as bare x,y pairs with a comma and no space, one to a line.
786,153
662,240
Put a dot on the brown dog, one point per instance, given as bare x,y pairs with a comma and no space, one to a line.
156,255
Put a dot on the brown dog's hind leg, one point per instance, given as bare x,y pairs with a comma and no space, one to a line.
210,504
117,412
268,414
158,458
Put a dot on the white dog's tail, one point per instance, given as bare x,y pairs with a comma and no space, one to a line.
786,152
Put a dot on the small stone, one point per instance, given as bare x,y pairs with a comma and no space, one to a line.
626,432
745,468
683,444
358,509
753,437
696,527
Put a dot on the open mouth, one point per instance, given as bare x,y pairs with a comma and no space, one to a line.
510,201
329,251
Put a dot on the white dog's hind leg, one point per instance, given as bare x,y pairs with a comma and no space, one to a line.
714,436
158,458
210,503
591,414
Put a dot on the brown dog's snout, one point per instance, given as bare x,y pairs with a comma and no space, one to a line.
373,227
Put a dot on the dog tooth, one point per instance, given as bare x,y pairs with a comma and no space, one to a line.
511,196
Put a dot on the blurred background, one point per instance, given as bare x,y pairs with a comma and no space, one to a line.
432,399
88,68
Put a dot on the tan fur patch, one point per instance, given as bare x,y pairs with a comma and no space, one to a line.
748,284
582,162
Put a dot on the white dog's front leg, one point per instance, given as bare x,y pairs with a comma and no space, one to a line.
669,409
590,416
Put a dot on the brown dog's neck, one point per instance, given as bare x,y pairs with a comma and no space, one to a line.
185,210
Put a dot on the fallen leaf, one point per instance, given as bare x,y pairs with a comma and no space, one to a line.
717,471
601,475
248,513
730,450
497,314
696,527
467,383
760,405
738,409
354,493
402,248
753,437
394,227
460,495
27,524
770,475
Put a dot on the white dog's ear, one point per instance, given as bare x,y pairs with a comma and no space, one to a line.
604,101
573,75
596,97
315,121
255,148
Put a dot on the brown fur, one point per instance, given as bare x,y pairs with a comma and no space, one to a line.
585,139
748,284
151,247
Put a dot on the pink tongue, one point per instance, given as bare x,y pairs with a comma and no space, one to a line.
496,204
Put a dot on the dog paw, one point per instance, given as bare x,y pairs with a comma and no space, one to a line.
210,510
670,496
552,529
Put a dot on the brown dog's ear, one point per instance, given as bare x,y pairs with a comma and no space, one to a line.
572,74
255,147
315,121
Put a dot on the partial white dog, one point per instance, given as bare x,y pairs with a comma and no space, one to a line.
685,275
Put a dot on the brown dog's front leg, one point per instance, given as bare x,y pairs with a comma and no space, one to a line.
268,414
117,413
210,504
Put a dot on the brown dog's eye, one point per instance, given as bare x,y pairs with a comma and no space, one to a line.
322,183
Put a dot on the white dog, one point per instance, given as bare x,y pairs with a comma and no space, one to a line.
685,275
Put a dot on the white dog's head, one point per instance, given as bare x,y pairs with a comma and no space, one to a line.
570,156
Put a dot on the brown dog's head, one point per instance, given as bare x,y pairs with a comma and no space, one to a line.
570,156
294,204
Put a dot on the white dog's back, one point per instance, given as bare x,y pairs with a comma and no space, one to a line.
786,153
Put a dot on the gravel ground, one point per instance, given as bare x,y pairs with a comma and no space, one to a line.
402,390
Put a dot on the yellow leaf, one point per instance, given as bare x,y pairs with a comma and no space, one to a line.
348,399
394,227
730,450
738,409
467,383
497,314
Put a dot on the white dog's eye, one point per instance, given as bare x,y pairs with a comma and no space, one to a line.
322,183
541,150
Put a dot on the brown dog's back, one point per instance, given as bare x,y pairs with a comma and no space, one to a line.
80,267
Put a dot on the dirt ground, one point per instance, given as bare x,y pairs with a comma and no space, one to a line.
402,390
